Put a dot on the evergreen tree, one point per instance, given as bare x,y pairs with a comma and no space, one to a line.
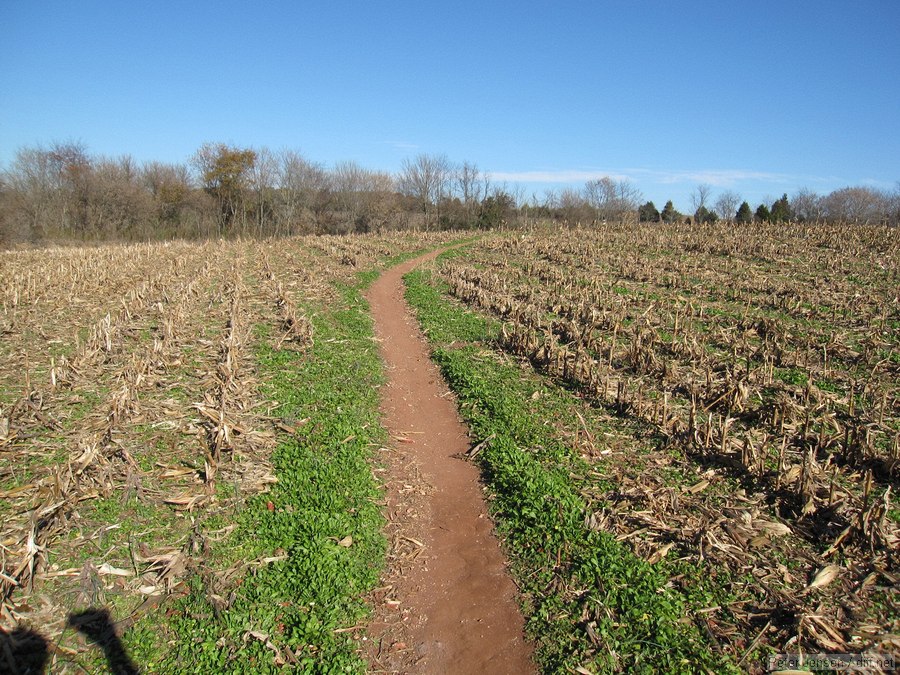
669,214
744,215
762,213
648,213
781,210
704,215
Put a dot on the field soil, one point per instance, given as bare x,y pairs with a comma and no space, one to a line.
447,603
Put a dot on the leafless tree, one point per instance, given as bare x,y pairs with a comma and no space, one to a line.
700,196
51,191
861,205
180,209
262,176
468,183
572,206
471,186
33,194
365,196
551,199
727,205
894,205
70,171
116,204
381,203
425,179
304,190
611,199
348,184
807,206
518,195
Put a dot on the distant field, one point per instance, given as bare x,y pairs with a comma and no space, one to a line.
690,441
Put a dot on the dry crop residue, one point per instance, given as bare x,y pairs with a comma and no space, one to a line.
133,424
764,360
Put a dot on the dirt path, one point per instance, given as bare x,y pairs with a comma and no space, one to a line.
448,604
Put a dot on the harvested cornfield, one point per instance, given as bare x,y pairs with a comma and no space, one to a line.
134,425
688,436
746,383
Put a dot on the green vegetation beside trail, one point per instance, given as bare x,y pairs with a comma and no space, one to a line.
589,601
316,534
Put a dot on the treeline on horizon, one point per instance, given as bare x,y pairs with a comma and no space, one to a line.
62,192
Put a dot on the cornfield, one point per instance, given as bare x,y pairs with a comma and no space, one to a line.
751,377
765,361
131,412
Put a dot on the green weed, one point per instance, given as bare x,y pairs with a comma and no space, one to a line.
793,376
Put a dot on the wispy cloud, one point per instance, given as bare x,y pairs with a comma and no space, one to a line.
722,178
879,184
405,146
731,178
715,177
564,176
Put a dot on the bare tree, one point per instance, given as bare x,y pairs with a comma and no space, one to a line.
365,196
551,200
572,206
348,182
179,208
305,191
52,190
290,179
425,179
860,205
33,194
807,206
727,205
116,204
262,176
611,199
467,179
894,205
471,186
518,195
381,201
70,170
700,196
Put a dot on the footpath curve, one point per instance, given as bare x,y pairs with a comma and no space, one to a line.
448,604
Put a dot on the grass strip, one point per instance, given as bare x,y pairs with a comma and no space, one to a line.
589,601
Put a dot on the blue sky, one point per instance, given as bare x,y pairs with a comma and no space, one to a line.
759,98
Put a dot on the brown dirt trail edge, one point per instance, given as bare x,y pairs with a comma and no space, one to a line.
448,604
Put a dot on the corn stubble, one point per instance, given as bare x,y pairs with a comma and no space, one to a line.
766,359
131,411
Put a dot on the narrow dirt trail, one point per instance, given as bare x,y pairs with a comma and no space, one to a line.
448,604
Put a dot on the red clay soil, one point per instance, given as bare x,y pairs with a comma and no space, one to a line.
448,604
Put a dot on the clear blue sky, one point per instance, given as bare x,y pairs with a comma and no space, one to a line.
760,98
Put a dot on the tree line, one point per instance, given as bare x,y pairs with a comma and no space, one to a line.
855,205
63,192
606,199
